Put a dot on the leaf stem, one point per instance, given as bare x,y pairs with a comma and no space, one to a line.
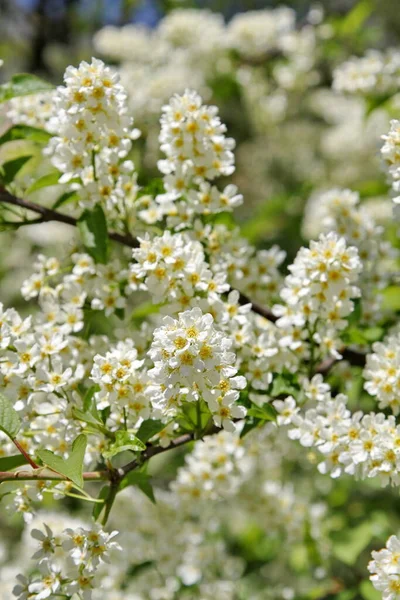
25,454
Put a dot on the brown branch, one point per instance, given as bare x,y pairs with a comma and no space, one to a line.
114,476
257,308
355,358
154,450
48,214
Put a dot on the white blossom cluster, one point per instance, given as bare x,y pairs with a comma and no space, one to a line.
36,110
194,47
94,136
340,210
363,445
318,294
173,268
192,361
375,73
385,569
382,373
254,272
390,152
193,139
67,563
255,33
201,364
214,470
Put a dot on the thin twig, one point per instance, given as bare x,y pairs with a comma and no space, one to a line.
48,214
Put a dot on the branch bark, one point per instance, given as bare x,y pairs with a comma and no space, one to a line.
114,476
48,214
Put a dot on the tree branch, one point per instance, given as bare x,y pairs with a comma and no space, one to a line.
48,214
114,476
355,358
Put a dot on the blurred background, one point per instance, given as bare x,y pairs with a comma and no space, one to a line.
43,36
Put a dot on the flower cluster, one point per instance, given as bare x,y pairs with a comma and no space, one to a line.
382,373
68,563
363,445
254,272
340,210
255,33
193,139
173,268
192,362
385,569
214,470
318,293
122,383
390,152
35,111
94,136
375,73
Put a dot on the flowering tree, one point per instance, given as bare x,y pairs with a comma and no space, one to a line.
157,325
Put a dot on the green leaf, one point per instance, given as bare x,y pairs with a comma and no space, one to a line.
373,334
149,428
281,387
64,198
266,412
155,187
98,507
94,420
142,481
93,229
86,417
24,132
144,310
124,440
352,542
391,298
7,463
10,168
71,467
23,84
356,315
355,18
45,181
134,570
10,422
87,400
368,592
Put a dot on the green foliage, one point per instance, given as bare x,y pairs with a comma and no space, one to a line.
144,310
44,181
355,19
23,84
149,428
124,440
8,463
283,386
92,226
98,506
25,132
142,480
64,199
258,416
11,168
93,421
352,542
368,592
10,422
71,467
